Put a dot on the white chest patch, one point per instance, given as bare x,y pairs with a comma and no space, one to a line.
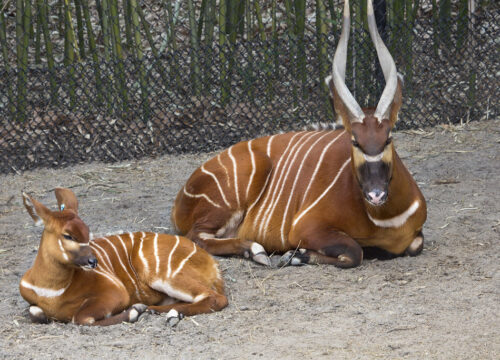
44,292
399,220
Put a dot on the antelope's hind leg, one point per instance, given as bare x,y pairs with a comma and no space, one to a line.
319,246
194,298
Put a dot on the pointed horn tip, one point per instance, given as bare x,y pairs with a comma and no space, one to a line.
346,9
369,6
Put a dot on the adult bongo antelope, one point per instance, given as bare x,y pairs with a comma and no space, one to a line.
320,196
115,278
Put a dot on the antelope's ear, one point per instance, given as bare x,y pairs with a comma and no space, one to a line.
396,102
38,212
66,199
338,104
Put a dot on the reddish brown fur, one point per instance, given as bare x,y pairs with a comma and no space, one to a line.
104,295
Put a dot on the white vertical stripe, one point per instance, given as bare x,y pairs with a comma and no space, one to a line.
212,175
318,165
323,194
181,265
141,254
157,258
128,259
111,278
131,240
235,174
274,177
98,250
269,142
225,170
122,264
252,158
292,154
169,270
291,192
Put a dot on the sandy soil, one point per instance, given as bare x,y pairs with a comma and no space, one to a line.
443,304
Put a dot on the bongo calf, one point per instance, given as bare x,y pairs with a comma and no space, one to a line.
112,279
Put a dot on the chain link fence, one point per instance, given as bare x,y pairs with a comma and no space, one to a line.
112,80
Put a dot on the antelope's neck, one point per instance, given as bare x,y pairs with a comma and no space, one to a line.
48,274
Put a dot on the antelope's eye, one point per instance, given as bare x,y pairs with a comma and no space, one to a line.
68,237
388,141
355,143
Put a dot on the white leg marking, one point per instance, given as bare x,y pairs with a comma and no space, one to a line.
292,191
235,174
181,265
323,194
212,175
318,165
204,196
169,269
252,158
257,220
399,220
65,256
36,311
44,292
283,178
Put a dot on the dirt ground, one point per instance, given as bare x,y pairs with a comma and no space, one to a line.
443,304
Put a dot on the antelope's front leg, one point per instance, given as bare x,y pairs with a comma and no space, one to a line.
320,246
416,246
103,313
37,315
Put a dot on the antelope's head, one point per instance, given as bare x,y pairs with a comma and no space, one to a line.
370,129
65,238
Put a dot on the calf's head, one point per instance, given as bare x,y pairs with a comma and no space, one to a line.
65,238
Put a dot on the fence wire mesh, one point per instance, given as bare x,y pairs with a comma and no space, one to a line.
112,80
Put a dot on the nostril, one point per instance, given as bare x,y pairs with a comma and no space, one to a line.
376,195
93,263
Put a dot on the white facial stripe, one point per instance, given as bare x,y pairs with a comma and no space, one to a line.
44,292
399,220
65,256
375,158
